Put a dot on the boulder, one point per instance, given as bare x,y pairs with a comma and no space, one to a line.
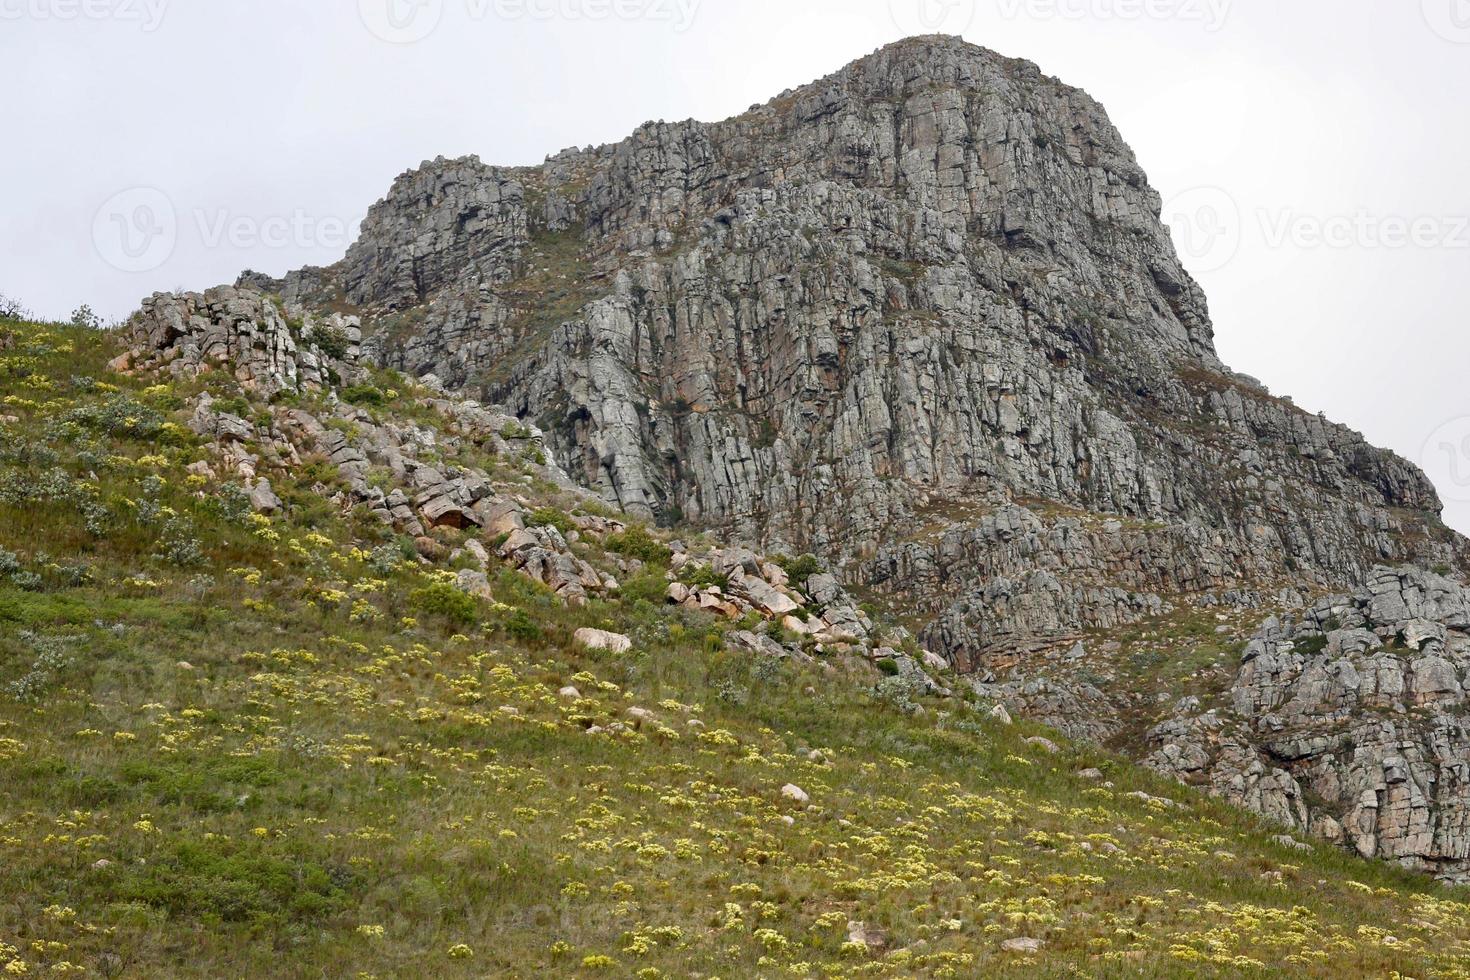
795,793
594,639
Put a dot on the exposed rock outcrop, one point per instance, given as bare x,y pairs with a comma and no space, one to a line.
386,468
247,333
1349,723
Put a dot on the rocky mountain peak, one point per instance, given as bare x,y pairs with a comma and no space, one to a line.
920,317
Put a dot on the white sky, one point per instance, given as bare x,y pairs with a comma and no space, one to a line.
265,128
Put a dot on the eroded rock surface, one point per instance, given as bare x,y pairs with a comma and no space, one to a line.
1349,722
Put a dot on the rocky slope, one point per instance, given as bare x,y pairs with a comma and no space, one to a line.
921,318
307,669
388,470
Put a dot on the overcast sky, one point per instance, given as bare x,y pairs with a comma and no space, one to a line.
1313,153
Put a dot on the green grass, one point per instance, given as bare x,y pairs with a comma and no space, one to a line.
277,761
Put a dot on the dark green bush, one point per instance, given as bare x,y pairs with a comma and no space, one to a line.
521,626
798,570
702,577
330,341
1310,646
636,542
364,395
444,600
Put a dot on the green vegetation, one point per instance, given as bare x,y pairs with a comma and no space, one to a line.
702,577
234,745
798,570
446,602
364,395
550,517
637,542
331,341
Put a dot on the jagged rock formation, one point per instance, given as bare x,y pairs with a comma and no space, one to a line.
920,317
242,331
1350,723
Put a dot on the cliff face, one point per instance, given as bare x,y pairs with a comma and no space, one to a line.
921,318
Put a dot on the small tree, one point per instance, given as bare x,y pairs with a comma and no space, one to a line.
83,316
11,309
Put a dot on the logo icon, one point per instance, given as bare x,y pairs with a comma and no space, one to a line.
1450,19
136,230
1206,227
932,16
1446,455
400,21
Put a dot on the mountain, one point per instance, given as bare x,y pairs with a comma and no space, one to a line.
877,438
920,318
876,318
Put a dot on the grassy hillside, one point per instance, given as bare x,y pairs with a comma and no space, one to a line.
237,745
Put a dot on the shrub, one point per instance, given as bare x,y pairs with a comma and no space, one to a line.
636,542
234,405
702,577
798,570
900,693
13,309
331,341
444,600
647,586
120,416
521,626
1311,645
364,395
225,881
386,558
52,655
230,502
550,517
83,316
179,547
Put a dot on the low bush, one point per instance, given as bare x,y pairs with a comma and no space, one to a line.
445,601
637,543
